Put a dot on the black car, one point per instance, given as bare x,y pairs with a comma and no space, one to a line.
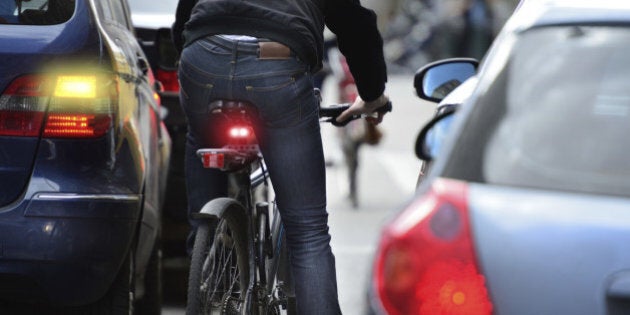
152,22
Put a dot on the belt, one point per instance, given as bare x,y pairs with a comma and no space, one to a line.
265,49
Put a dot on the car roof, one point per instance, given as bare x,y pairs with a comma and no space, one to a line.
535,13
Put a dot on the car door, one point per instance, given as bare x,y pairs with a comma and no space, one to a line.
140,121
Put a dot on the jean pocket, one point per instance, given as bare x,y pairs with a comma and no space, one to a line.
196,88
282,100
270,84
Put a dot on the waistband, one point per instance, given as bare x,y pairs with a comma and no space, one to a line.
243,46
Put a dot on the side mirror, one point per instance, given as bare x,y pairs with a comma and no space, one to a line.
431,137
436,80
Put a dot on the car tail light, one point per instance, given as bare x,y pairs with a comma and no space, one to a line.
425,263
68,106
168,79
22,106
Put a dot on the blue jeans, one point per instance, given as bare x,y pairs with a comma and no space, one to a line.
290,140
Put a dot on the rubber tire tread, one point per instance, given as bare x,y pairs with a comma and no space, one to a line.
205,229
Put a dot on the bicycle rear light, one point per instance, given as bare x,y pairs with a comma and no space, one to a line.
241,133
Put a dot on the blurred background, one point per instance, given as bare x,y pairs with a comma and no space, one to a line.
420,31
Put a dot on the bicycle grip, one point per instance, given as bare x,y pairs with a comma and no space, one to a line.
383,109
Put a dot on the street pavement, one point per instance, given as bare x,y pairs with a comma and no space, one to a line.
387,178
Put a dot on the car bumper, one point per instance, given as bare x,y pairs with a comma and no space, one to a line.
65,248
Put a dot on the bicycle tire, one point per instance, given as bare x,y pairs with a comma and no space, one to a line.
216,244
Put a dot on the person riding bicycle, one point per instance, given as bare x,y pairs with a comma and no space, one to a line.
265,52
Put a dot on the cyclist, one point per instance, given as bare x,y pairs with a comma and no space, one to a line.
265,52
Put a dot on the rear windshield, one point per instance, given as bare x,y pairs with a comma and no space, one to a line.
152,6
556,117
36,12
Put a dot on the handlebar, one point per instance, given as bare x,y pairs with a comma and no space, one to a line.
331,112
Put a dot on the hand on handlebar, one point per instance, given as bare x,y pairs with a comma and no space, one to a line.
360,107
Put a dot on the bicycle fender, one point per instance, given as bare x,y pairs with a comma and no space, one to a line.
219,207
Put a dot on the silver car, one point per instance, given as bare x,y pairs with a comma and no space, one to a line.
526,207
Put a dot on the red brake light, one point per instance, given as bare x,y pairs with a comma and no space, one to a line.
76,125
426,262
22,106
240,132
168,79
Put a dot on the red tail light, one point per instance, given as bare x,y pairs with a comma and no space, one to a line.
69,106
22,106
169,80
426,262
241,132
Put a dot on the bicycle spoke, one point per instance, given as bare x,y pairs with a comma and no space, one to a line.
220,285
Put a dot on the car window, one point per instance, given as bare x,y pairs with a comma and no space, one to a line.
557,117
151,6
36,12
113,11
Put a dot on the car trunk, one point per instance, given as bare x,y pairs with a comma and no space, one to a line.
552,253
28,50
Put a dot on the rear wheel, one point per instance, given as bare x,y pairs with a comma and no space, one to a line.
219,270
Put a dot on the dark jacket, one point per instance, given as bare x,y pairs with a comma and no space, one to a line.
298,24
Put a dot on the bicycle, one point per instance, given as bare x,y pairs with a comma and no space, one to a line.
240,261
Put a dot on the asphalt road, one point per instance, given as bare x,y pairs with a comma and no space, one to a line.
387,179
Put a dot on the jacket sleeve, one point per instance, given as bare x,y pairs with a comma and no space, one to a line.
182,15
360,41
